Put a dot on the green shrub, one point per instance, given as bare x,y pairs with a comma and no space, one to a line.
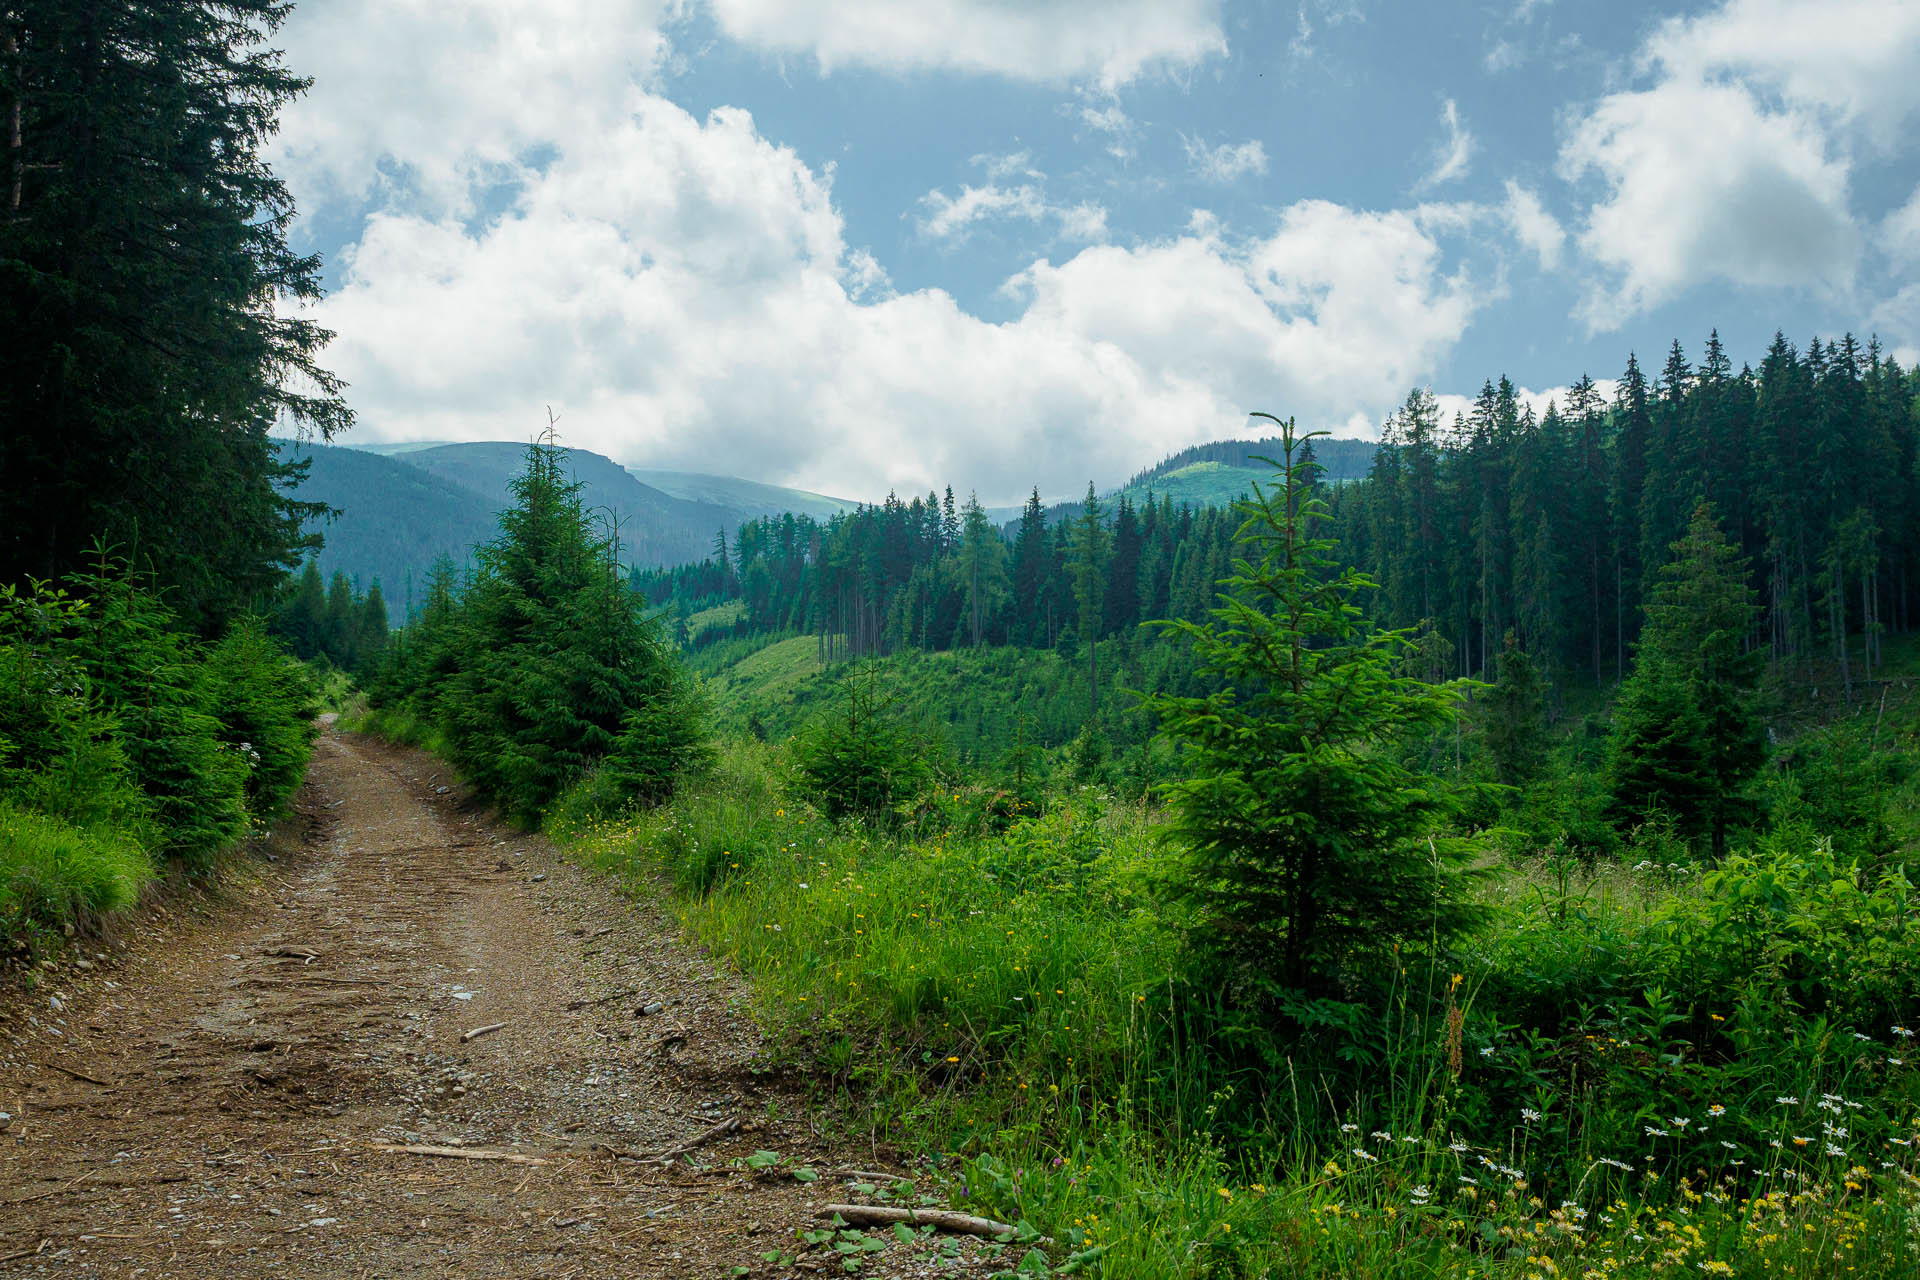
155,679
860,759
267,705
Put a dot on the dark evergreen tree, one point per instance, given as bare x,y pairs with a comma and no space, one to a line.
144,350
1515,717
1687,739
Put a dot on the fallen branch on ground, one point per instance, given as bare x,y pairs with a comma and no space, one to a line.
671,1154
876,1215
81,1075
868,1175
477,1032
459,1153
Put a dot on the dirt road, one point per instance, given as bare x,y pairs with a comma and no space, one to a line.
213,1093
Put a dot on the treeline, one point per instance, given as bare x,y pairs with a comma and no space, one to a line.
1556,527
334,622
922,574
1552,526
540,667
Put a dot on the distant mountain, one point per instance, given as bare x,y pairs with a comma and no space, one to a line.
395,518
742,495
403,506
1214,475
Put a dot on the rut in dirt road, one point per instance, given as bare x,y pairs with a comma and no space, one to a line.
214,1101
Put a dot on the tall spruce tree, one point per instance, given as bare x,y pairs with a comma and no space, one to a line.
1091,549
144,352
1687,739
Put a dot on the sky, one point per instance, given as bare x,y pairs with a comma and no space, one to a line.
867,245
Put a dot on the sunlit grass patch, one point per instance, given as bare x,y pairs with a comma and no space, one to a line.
54,874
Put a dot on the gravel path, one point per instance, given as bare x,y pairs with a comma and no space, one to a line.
209,1093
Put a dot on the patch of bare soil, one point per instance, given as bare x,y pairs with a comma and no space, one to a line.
231,1088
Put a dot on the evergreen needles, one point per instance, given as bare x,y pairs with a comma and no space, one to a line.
1308,843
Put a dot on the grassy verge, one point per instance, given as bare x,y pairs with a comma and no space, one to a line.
55,876
1003,1003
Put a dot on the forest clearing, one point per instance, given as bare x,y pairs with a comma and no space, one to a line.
598,677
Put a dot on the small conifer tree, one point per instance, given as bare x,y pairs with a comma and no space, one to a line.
1307,842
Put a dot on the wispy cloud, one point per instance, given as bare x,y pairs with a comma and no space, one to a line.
1454,155
1226,162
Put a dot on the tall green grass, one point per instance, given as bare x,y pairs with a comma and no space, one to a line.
1007,1002
53,874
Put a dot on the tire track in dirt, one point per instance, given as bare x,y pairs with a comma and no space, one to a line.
225,1078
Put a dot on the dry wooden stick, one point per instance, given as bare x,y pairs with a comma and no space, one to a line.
477,1032
671,1154
81,1075
588,1004
459,1153
868,1175
875,1215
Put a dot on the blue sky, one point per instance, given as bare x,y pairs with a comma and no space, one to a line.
856,245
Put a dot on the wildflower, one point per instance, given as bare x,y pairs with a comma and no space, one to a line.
1364,1154
1835,1151
1716,1111
1896,1062
1681,1122
1903,1033
1529,1115
1657,1133
1381,1135
1349,1128
1487,1052
1456,1146
1223,1192
1787,1102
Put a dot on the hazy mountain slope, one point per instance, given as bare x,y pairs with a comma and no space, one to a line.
655,527
395,518
749,496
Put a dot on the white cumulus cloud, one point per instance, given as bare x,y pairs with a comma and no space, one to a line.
1704,183
681,290
1735,162
1109,42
